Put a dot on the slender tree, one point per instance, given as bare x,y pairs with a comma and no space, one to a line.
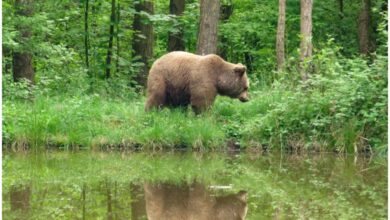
364,28
280,55
86,34
208,27
226,12
118,13
110,40
175,39
23,60
341,26
143,38
306,34
341,8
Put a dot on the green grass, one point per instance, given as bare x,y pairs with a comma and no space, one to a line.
275,119
342,107
93,122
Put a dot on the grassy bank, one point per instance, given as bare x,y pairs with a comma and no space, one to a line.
93,122
342,107
273,119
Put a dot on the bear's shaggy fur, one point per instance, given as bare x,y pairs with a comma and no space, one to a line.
181,79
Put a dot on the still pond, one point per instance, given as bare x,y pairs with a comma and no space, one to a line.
101,185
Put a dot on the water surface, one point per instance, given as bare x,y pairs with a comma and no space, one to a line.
85,185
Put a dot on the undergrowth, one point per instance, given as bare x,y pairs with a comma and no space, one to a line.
342,107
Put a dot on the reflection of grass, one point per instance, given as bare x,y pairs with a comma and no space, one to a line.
278,118
67,168
320,187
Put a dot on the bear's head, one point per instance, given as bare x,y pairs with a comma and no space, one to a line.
231,206
234,83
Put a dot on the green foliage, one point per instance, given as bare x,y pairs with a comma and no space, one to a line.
341,107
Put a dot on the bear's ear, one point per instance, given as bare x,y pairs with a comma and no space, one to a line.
240,69
242,195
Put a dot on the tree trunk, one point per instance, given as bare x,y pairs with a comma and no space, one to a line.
306,35
208,27
143,38
22,60
280,56
226,12
110,40
364,28
175,39
341,8
340,26
86,34
117,38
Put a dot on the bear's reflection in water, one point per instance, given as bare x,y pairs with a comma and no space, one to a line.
165,201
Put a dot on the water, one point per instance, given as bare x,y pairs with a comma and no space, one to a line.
90,185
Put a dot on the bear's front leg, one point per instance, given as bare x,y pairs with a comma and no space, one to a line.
156,99
201,101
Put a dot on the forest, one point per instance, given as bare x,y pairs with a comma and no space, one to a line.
311,143
74,74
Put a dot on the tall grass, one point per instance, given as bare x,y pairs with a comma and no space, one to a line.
93,122
342,107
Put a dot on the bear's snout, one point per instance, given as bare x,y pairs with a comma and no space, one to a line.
244,97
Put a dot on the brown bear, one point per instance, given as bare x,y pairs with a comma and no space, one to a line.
166,201
182,79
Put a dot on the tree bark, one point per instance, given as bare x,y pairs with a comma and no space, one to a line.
208,27
110,40
117,38
86,36
364,28
226,12
143,38
280,55
341,8
22,60
306,35
175,39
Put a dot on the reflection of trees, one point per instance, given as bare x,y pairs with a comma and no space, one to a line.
138,211
281,186
20,200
